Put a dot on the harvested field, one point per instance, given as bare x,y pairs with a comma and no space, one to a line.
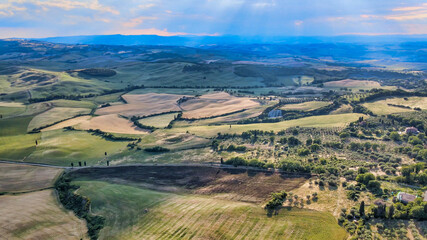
349,83
110,123
143,105
37,215
11,104
150,214
305,106
54,115
236,184
21,178
68,123
215,104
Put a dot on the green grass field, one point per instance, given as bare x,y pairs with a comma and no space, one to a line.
136,213
15,143
11,111
305,106
339,120
381,107
160,121
61,147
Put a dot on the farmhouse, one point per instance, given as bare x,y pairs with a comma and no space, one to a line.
405,197
411,130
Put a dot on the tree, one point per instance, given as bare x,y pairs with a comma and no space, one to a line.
391,211
315,147
395,136
365,178
417,212
362,208
414,140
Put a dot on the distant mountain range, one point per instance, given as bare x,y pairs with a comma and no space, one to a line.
195,41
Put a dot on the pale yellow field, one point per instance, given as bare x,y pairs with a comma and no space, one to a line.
11,104
67,123
106,123
110,123
21,178
349,83
381,107
54,115
340,120
305,106
216,104
38,215
143,105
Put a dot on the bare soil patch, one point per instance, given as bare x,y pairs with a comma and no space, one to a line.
247,184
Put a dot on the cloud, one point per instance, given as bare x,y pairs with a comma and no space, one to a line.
8,9
264,4
146,6
137,21
298,22
409,13
67,5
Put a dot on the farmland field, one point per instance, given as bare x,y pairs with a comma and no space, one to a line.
40,214
382,107
193,216
40,217
215,104
340,120
21,178
305,106
143,105
160,121
62,147
54,115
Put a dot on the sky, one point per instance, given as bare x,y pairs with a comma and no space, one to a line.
49,18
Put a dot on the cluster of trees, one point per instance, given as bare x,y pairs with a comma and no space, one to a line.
413,210
276,200
99,72
294,167
79,205
413,174
109,136
156,149
240,161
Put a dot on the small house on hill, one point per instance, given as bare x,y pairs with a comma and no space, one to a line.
405,197
411,130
